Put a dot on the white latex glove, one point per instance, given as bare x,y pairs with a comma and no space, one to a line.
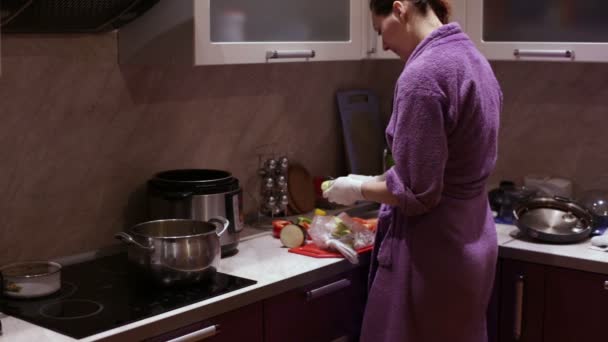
365,179
344,190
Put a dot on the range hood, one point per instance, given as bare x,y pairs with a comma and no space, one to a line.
69,16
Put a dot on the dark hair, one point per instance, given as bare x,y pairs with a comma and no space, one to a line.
440,7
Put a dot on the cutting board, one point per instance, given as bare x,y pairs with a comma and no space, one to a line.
363,131
312,250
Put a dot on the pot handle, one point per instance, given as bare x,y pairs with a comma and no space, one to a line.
128,239
220,223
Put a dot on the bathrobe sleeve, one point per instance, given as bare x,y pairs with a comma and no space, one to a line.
420,150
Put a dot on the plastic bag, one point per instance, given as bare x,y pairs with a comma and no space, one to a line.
340,233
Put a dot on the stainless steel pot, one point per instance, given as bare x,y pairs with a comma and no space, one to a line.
554,219
198,194
175,251
30,279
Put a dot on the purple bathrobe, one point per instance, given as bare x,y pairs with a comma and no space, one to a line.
435,254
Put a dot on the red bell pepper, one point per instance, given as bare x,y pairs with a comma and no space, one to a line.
277,226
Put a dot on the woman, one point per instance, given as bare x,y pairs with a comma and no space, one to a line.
435,253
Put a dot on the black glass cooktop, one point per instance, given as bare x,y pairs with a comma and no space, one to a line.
104,294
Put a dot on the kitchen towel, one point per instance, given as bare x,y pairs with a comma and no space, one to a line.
600,243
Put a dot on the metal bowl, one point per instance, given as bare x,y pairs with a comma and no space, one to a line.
556,219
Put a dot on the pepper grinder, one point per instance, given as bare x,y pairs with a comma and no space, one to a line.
274,187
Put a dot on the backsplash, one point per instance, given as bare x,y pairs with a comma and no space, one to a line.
554,122
80,134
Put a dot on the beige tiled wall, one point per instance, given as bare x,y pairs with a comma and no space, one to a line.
80,135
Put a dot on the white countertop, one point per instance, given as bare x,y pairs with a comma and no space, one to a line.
575,256
262,258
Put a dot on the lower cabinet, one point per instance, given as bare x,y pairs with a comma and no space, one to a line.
521,301
551,304
575,306
243,324
323,311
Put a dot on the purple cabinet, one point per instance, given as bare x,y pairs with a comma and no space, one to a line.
322,311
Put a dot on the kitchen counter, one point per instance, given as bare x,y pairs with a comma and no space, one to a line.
576,256
262,258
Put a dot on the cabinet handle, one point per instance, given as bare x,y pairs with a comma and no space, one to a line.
327,289
519,307
543,53
277,54
373,42
199,334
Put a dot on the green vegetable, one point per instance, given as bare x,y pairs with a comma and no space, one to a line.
325,185
341,229
303,219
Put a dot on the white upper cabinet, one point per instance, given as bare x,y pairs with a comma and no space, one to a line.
555,30
204,32
373,42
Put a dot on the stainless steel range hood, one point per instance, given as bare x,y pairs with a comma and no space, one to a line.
69,16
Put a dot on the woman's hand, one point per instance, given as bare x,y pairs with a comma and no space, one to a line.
344,190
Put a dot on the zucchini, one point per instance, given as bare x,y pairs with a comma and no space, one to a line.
293,236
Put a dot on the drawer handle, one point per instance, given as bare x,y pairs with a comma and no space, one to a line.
277,54
199,334
544,53
327,289
519,307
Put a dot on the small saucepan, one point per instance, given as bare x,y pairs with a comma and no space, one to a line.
30,279
177,251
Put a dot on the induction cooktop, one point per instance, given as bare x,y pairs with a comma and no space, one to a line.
104,294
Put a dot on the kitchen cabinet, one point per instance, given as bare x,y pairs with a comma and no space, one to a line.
243,324
575,306
553,30
373,42
204,32
550,304
521,301
323,311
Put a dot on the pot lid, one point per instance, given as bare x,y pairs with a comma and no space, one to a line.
553,221
198,181
554,216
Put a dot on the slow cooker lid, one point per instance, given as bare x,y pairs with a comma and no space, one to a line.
199,181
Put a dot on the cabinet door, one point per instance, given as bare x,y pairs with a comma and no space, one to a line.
557,30
244,324
494,306
245,31
575,306
321,312
521,301
373,42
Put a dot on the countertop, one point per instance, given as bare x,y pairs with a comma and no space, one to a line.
576,256
262,258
